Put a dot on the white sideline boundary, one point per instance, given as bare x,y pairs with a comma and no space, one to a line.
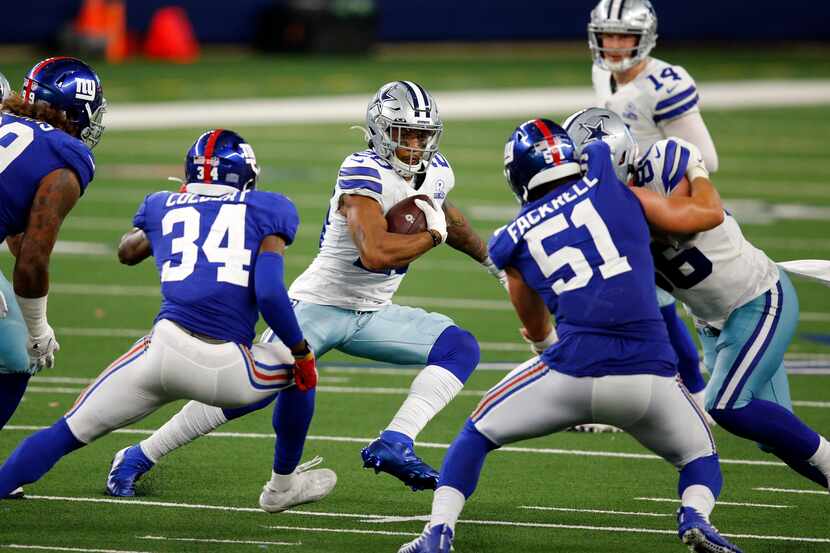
786,490
720,503
594,511
455,105
143,503
58,548
215,540
345,531
434,445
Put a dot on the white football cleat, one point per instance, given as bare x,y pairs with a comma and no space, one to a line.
595,428
700,399
309,486
17,494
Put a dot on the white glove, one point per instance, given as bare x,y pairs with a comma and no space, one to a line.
696,167
500,275
42,349
435,218
539,347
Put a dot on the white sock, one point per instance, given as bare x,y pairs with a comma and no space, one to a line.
699,498
282,482
194,420
431,391
447,504
821,458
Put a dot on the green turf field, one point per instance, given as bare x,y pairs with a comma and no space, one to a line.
555,497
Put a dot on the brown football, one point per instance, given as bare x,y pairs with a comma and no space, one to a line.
405,217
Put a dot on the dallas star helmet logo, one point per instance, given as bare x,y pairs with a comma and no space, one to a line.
596,132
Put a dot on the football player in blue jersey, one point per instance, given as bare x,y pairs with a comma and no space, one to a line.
218,247
744,305
344,299
47,131
656,99
574,251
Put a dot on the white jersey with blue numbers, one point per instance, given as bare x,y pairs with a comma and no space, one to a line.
336,276
712,272
659,94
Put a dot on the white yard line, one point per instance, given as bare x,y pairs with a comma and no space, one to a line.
344,531
434,445
133,502
455,105
57,548
789,490
594,511
214,540
725,503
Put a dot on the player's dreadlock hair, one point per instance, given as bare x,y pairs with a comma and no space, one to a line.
40,111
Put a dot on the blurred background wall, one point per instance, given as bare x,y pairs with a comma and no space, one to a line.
243,21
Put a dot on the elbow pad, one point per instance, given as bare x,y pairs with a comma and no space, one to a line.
272,298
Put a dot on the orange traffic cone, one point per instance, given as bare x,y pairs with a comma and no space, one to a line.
116,31
92,19
171,37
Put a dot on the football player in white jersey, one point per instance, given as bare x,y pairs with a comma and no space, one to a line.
744,306
656,100
344,298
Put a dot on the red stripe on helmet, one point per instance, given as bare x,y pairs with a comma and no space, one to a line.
550,139
209,147
35,70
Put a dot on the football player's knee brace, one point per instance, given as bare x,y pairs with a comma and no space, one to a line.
457,351
703,471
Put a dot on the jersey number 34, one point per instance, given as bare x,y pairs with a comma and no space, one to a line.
233,258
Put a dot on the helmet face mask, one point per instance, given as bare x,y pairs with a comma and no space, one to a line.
404,126
616,17
221,157
592,124
71,86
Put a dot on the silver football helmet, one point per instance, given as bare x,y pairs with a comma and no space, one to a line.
593,124
5,87
629,17
403,117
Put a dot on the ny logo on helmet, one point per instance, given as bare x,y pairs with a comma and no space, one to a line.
85,89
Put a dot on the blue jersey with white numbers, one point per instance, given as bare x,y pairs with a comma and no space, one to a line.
206,248
584,248
30,150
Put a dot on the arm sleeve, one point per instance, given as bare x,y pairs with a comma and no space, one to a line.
272,298
675,97
500,248
140,217
359,175
693,129
77,157
663,166
278,217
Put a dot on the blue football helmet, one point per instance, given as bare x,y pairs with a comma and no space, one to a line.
72,86
539,151
221,157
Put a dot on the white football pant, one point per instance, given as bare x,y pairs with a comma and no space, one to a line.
534,400
170,364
